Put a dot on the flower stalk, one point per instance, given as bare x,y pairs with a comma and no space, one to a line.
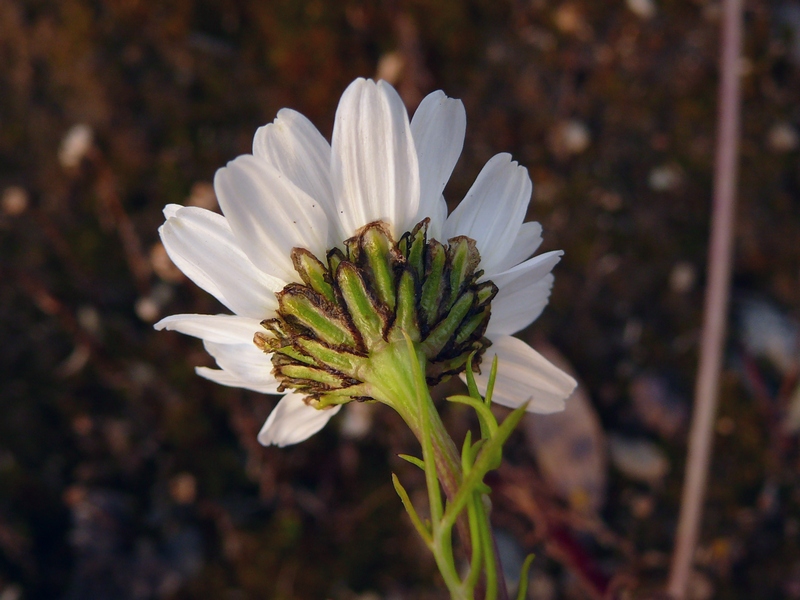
466,493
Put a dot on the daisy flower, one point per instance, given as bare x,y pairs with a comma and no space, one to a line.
328,254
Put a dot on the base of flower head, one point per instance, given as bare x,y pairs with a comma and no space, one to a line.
364,299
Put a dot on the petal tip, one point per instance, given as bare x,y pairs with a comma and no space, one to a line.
163,323
360,84
171,210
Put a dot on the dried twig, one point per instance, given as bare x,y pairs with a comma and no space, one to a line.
716,302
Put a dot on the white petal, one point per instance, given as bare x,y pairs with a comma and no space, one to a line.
223,377
514,308
438,128
527,242
523,293
493,210
221,329
297,149
293,421
170,210
374,164
532,269
202,245
246,362
269,215
438,218
524,374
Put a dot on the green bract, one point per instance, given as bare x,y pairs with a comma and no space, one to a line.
330,328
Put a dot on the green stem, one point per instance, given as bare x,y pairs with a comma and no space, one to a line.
442,536
477,549
397,380
487,541
396,376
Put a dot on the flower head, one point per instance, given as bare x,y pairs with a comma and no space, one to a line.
327,253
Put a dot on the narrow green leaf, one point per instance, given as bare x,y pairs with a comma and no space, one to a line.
490,565
493,448
471,385
485,417
522,588
482,488
417,462
466,454
477,555
412,513
486,458
490,383
424,401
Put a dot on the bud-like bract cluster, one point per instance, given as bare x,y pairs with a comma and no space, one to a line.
366,298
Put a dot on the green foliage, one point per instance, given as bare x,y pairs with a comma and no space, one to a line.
469,497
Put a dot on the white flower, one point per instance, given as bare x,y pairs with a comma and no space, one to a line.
296,190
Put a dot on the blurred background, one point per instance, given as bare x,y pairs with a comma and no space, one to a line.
123,475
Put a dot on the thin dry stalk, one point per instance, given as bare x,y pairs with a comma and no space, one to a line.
716,302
